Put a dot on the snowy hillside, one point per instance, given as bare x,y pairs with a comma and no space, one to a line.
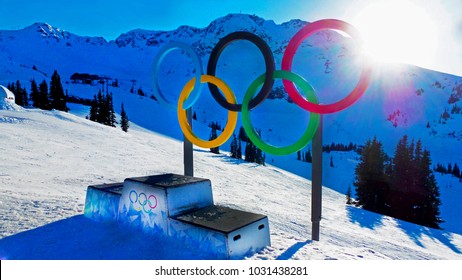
49,158
402,99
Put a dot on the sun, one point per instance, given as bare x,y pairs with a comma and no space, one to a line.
397,32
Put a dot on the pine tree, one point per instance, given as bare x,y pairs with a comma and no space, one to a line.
308,157
402,181
415,194
428,209
25,97
101,109
456,171
111,118
124,123
259,155
34,94
93,115
20,93
58,99
371,181
243,135
16,89
348,196
239,150
44,101
234,148
213,135
249,154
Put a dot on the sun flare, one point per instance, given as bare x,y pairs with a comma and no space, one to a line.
397,32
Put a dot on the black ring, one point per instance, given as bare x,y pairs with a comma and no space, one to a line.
270,68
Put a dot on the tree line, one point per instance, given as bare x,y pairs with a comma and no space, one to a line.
339,147
402,186
304,156
52,97
42,96
450,169
251,153
102,111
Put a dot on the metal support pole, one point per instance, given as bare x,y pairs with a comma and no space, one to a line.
316,183
188,150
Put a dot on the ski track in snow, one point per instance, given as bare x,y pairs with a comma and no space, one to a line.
49,158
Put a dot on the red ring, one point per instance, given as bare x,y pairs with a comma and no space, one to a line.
149,202
287,59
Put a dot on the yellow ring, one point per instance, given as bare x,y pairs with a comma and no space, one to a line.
183,120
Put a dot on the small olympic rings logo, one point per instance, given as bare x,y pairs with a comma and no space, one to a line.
307,99
142,202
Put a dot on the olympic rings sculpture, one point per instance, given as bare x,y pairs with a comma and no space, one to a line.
307,100
141,200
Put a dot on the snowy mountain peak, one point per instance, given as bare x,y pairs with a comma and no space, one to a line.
217,29
295,23
48,31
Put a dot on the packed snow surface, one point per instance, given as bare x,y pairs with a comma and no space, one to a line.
49,158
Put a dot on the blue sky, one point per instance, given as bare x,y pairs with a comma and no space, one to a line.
110,18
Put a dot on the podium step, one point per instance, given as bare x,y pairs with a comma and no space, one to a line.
220,218
242,233
148,202
102,202
167,180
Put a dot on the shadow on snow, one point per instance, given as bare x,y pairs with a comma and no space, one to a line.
364,218
415,232
291,251
79,238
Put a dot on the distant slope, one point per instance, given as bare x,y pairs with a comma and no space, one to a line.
48,159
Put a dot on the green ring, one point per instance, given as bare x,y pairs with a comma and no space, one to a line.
310,94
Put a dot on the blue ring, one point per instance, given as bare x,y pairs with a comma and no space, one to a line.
161,54
130,196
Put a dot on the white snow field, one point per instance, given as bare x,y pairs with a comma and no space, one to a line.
47,160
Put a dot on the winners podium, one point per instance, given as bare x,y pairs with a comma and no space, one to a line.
179,207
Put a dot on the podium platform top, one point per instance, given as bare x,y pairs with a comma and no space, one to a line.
167,180
220,218
115,188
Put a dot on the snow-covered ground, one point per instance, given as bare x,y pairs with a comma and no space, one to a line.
47,159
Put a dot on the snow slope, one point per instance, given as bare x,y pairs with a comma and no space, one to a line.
49,158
